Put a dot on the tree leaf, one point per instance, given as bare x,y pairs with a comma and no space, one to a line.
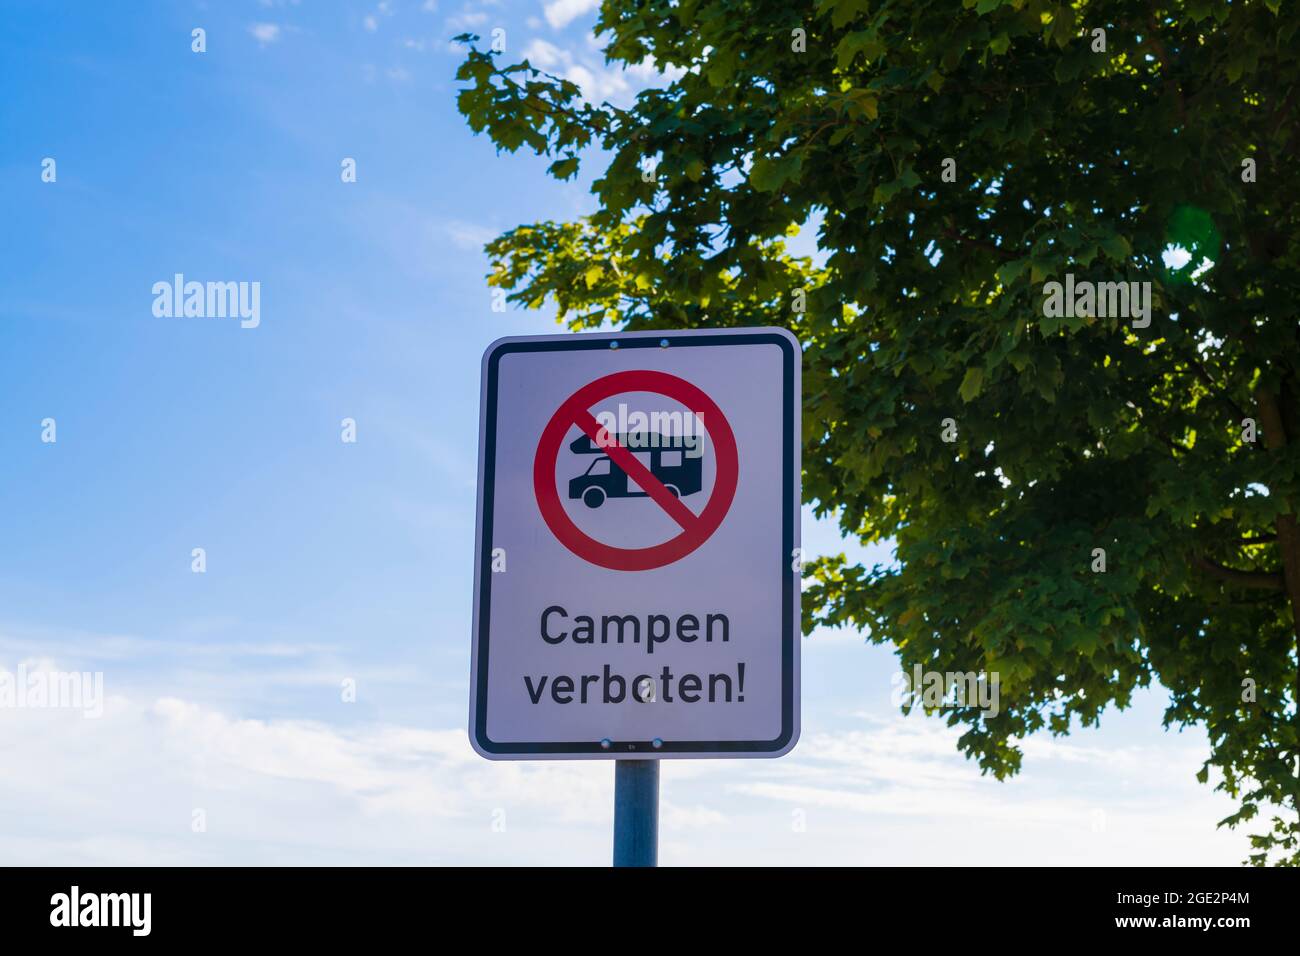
971,383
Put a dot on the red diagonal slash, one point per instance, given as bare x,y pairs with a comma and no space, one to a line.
638,472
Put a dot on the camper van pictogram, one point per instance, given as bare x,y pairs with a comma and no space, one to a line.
674,460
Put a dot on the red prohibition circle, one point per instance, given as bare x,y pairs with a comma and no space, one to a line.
696,529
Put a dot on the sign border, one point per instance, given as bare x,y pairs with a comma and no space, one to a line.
791,356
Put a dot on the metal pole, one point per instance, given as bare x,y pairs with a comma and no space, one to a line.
636,812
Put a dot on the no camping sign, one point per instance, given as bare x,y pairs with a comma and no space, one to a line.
636,576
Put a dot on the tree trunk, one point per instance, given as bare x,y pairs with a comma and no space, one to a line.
1288,534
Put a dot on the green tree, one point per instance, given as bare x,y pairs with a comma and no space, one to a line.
955,157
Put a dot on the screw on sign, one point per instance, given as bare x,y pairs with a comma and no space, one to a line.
695,529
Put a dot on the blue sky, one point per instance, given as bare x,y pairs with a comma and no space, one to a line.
329,561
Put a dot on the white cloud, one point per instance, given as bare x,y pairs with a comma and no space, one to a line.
295,789
597,80
561,12
546,55
371,24
315,792
466,19
265,33
466,235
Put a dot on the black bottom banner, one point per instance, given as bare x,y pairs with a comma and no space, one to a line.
335,906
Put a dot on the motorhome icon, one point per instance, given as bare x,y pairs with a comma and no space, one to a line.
674,460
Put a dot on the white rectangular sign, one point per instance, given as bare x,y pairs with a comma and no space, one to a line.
636,586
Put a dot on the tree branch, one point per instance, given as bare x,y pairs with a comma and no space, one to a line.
970,240
1255,580
1216,391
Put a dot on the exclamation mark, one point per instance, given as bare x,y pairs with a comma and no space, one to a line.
740,683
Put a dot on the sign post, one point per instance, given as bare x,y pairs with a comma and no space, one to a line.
636,812
637,568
